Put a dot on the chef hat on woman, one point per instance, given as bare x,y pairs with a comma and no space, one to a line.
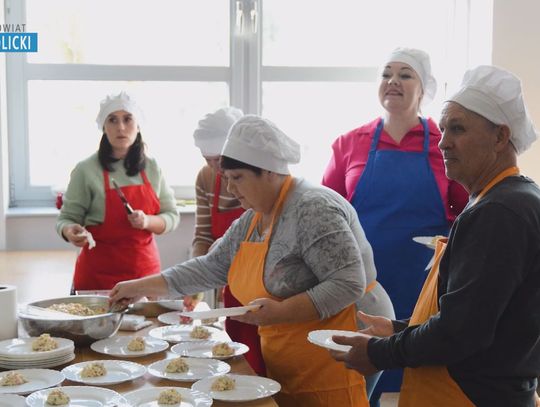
212,131
496,95
260,143
114,103
420,62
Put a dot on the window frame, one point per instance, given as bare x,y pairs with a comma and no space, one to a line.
245,76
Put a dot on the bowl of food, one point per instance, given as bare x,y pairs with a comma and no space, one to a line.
81,318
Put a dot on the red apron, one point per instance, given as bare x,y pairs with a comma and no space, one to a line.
238,331
121,252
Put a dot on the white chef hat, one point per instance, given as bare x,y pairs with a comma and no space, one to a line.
420,62
212,131
259,142
114,103
496,95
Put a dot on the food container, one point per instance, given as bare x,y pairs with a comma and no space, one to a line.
82,330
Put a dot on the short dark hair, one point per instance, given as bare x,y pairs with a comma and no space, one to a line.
134,162
228,163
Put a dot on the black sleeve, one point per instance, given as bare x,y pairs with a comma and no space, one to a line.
479,273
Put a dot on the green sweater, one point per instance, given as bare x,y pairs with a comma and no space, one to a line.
84,200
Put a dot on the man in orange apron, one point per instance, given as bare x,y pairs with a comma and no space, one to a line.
216,210
472,339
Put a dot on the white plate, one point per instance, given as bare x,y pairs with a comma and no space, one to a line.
198,369
204,349
181,333
247,388
80,396
21,349
117,346
173,318
324,338
220,312
425,240
37,379
118,371
12,400
38,364
148,397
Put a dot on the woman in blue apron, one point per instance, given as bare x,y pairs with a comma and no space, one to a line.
392,172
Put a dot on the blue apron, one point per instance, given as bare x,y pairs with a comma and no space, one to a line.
397,198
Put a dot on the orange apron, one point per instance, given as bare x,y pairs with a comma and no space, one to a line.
429,386
121,252
238,331
308,375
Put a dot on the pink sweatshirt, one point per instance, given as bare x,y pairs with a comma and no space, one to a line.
350,155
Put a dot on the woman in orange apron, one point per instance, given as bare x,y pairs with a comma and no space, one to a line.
298,251
473,336
216,210
114,224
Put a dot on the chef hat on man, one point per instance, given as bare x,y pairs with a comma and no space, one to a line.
260,143
420,62
212,131
114,103
496,95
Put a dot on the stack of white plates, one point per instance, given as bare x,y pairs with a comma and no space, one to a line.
18,354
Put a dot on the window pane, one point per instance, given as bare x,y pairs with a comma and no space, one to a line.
130,32
324,112
64,132
348,32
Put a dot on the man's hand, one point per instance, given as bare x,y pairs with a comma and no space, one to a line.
357,357
376,326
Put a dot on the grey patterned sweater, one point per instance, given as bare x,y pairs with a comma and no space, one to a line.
317,247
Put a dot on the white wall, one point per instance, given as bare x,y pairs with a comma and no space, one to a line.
516,33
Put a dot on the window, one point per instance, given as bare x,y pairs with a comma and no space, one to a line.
311,67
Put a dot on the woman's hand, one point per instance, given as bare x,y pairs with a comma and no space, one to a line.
126,292
138,219
375,326
269,313
75,234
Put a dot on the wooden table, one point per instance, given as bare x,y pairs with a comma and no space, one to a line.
48,274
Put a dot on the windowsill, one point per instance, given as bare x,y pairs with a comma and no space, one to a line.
36,212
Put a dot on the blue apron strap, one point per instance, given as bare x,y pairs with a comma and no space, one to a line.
376,136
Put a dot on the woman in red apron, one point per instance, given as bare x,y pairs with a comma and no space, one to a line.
216,210
115,226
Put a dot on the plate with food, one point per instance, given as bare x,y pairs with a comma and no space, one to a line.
159,396
210,349
104,372
323,338
76,396
25,381
38,348
183,333
221,312
429,241
188,369
129,346
233,387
